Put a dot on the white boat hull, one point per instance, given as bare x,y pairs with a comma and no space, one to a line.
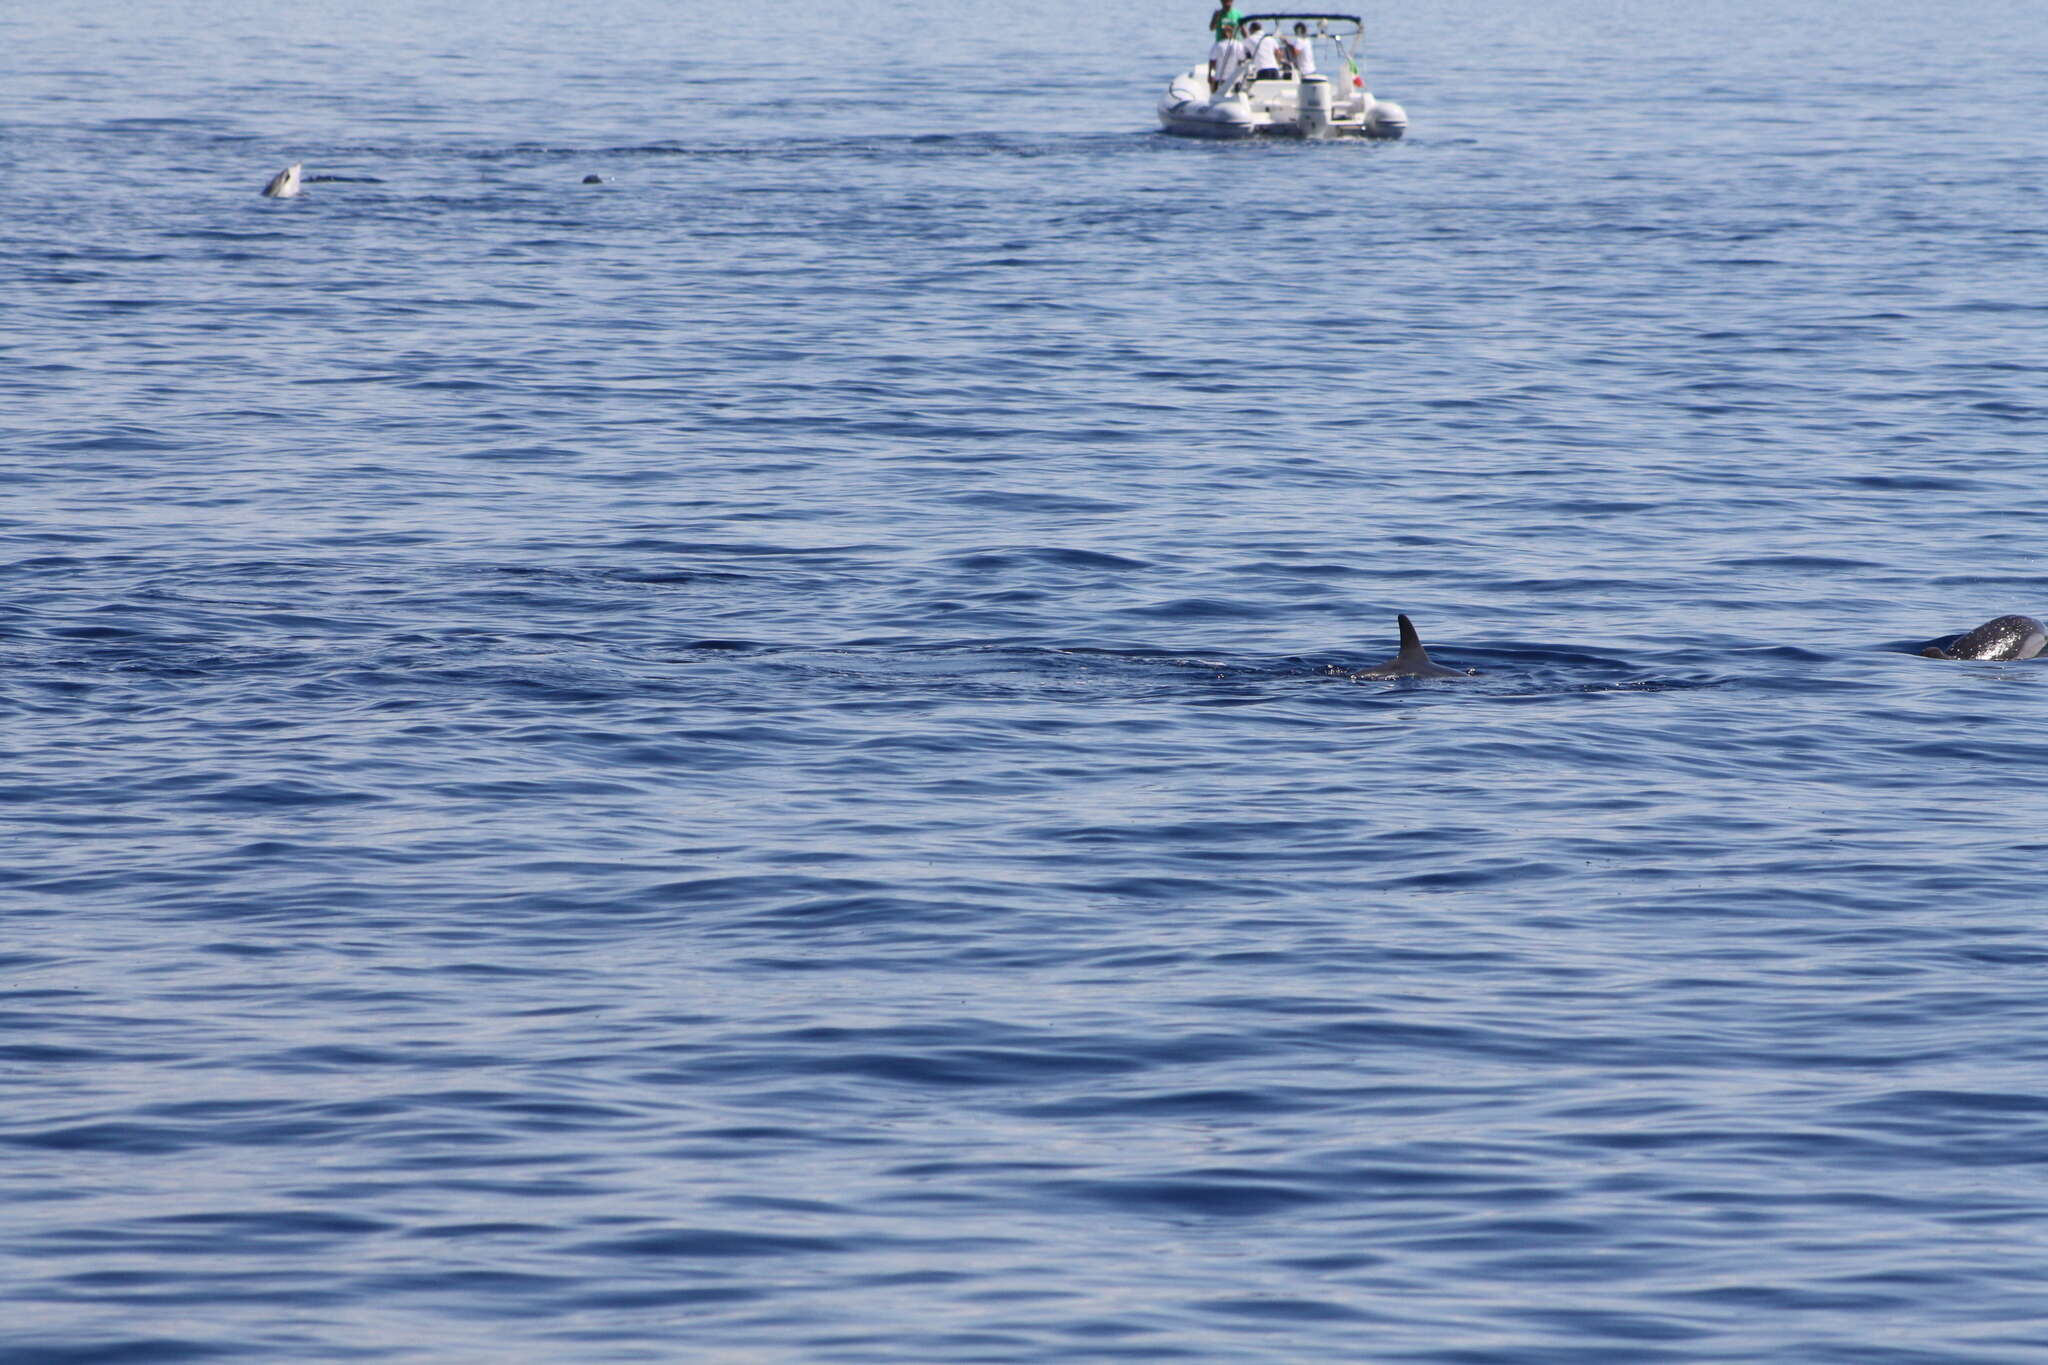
1275,108
1188,110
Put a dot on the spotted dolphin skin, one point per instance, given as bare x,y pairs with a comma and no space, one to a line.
2008,637
1412,662
285,184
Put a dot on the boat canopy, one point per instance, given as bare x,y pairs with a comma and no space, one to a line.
1299,16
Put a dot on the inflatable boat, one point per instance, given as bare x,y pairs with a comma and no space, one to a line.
1315,89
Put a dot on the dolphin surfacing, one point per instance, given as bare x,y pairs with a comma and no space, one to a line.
285,184
2006,637
1412,662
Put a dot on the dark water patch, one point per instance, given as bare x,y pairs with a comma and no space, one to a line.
130,439
1913,483
1216,1103
1203,1195
1022,502
713,1244
1799,563
99,1349
1284,1310
132,1139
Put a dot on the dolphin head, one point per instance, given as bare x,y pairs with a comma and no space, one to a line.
2002,637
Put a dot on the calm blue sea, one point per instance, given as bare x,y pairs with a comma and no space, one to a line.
754,762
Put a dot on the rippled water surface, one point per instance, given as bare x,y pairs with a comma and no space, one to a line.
757,761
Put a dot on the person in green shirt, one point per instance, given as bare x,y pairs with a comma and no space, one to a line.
1226,16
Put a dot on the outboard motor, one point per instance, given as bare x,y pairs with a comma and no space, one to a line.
1385,119
1315,106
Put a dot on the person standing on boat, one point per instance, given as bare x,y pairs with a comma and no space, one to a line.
1264,51
1226,16
1301,51
1226,59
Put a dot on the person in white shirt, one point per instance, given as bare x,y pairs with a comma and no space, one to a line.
1302,51
1226,59
1265,53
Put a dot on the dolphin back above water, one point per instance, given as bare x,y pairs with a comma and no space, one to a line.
285,184
1412,662
2007,637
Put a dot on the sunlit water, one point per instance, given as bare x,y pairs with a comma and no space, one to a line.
754,762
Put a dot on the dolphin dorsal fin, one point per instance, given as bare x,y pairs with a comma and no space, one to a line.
1412,651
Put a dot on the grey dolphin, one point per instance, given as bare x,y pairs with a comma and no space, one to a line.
285,184
1412,662
2008,637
